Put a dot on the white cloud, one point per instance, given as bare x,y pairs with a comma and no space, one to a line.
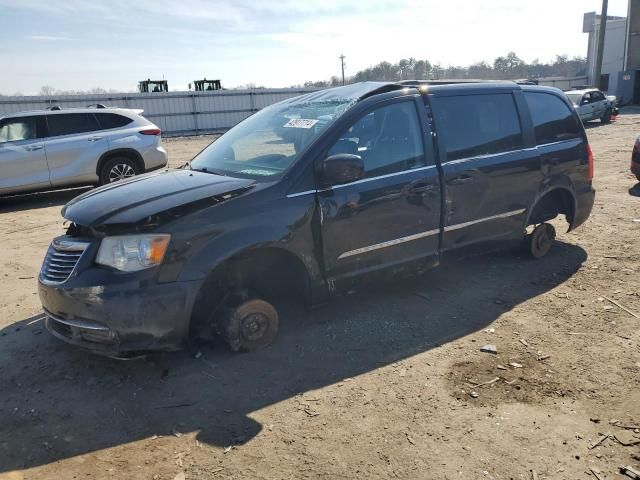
47,38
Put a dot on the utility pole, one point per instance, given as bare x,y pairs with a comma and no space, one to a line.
597,73
342,57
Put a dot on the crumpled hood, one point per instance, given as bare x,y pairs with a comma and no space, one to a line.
133,200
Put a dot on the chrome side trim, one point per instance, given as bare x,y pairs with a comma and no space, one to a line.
389,243
388,175
84,324
428,233
558,142
299,194
458,226
488,155
364,180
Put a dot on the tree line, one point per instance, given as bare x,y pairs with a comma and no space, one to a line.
508,67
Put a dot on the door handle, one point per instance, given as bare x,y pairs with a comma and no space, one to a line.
418,189
94,139
33,148
462,179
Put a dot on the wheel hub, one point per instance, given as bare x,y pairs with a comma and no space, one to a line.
543,237
120,171
254,326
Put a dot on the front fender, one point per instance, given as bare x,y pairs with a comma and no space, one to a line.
286,226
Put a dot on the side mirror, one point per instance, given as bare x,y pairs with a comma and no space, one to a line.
340,168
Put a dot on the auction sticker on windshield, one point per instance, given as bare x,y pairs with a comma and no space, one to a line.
300,123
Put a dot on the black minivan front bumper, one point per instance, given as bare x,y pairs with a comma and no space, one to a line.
119,318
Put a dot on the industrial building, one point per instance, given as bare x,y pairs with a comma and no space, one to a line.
620,74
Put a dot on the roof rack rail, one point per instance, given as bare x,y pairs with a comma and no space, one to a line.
55,108
417,83
526,81
96,105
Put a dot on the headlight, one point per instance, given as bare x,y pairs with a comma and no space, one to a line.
131,253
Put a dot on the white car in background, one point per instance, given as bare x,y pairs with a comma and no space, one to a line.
592,104
81,146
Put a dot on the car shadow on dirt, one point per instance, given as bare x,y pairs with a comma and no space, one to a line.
45,199
59,402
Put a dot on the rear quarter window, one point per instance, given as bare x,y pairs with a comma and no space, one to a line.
71,123
112,120
475,125
553,120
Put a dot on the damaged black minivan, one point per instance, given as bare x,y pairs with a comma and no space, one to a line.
305,197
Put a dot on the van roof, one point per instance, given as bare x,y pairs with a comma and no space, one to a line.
359,91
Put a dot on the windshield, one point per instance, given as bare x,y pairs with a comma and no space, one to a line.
267,143
575,98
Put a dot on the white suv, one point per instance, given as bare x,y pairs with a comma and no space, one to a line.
63,147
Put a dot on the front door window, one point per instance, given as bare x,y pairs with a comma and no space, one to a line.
388,139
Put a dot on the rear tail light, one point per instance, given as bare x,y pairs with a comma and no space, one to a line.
151,131
590,153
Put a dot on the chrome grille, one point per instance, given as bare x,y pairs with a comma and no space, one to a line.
61,260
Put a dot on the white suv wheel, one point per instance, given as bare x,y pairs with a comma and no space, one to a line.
120,171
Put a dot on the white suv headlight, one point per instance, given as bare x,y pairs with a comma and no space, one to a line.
131,253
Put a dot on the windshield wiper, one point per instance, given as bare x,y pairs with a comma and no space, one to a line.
208,170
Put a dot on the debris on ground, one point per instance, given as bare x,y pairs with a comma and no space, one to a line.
626,438
617,423
489,349
310,412
630,472
409,439
515,365
619,305
523,342
596,473
602,439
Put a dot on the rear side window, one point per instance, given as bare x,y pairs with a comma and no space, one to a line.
112,120
18,129
474,125
70,123
553,121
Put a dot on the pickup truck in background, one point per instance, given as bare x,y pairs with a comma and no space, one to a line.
305,198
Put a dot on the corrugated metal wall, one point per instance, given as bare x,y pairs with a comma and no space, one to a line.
176,113
563,83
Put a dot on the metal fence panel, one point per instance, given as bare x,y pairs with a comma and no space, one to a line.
176,113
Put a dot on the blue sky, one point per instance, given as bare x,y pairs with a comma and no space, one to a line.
80,44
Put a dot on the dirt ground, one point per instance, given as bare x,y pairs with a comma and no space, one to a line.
384,383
